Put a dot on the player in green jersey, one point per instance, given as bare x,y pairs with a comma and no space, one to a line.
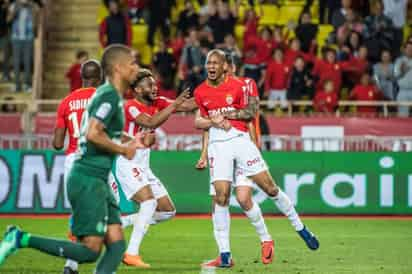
96,218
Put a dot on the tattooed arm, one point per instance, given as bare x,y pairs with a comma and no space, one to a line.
247,113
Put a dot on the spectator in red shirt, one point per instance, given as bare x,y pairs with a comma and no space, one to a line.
355,67
257,53
328,69
325,99
366,91
73,74
115,28
294,51
276,80
251,22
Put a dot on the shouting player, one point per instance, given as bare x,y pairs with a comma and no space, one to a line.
224,99
69,116
96,217
145,113
243,186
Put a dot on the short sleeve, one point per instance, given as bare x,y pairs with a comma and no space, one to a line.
60,119
105,107
163,102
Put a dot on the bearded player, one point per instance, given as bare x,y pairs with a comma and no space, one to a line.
69,116
223,99
145,113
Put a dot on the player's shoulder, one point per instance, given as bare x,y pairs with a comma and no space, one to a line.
107,92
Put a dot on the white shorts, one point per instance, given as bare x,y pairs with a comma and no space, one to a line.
132,177
68,164
239,180
223,155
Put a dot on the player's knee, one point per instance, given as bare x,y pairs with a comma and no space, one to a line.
222,200
89,256
245,201
272,190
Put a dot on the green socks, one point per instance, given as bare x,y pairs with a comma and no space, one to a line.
111,258
74,251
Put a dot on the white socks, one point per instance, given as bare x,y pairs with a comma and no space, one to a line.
221,227
256,219
128,220
158,217
161,216
141,222
72,264
285,206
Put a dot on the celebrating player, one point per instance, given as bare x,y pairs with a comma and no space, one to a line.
96,218
69,116
145,113
242,185
223,100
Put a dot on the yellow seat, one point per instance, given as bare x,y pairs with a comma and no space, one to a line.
146,54
139,36
270,14
239,33
102,13
289,13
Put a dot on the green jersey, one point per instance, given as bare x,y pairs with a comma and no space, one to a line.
106,106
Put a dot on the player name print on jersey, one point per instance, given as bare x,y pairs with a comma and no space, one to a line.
78,104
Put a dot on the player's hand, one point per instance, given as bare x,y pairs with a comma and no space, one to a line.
201,163
133,145
183,97
217,120
226,125
149,139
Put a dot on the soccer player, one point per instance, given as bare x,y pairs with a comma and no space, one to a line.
69,116
242,185
96,217
223,99
145,113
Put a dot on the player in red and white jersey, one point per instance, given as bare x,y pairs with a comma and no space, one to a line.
145,113
69,116
229,144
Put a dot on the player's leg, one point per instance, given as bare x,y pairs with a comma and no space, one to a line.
136,188
244,190
85,194
114,239
265,181
221,175
70,267
165,209
251,162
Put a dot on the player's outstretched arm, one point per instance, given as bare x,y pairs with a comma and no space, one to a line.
188,105
160,117
97,135
202,162
58,138
247,113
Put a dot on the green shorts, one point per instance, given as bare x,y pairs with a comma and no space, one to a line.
93,204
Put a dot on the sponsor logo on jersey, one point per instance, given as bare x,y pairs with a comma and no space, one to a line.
222,110
229,99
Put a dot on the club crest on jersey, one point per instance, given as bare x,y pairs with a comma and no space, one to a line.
229,99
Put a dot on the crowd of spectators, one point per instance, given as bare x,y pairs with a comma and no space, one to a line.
365,58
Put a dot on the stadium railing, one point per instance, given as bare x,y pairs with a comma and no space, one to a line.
386,107
269,143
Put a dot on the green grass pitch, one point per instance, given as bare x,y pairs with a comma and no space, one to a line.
179,246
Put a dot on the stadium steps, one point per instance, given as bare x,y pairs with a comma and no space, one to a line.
71,26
